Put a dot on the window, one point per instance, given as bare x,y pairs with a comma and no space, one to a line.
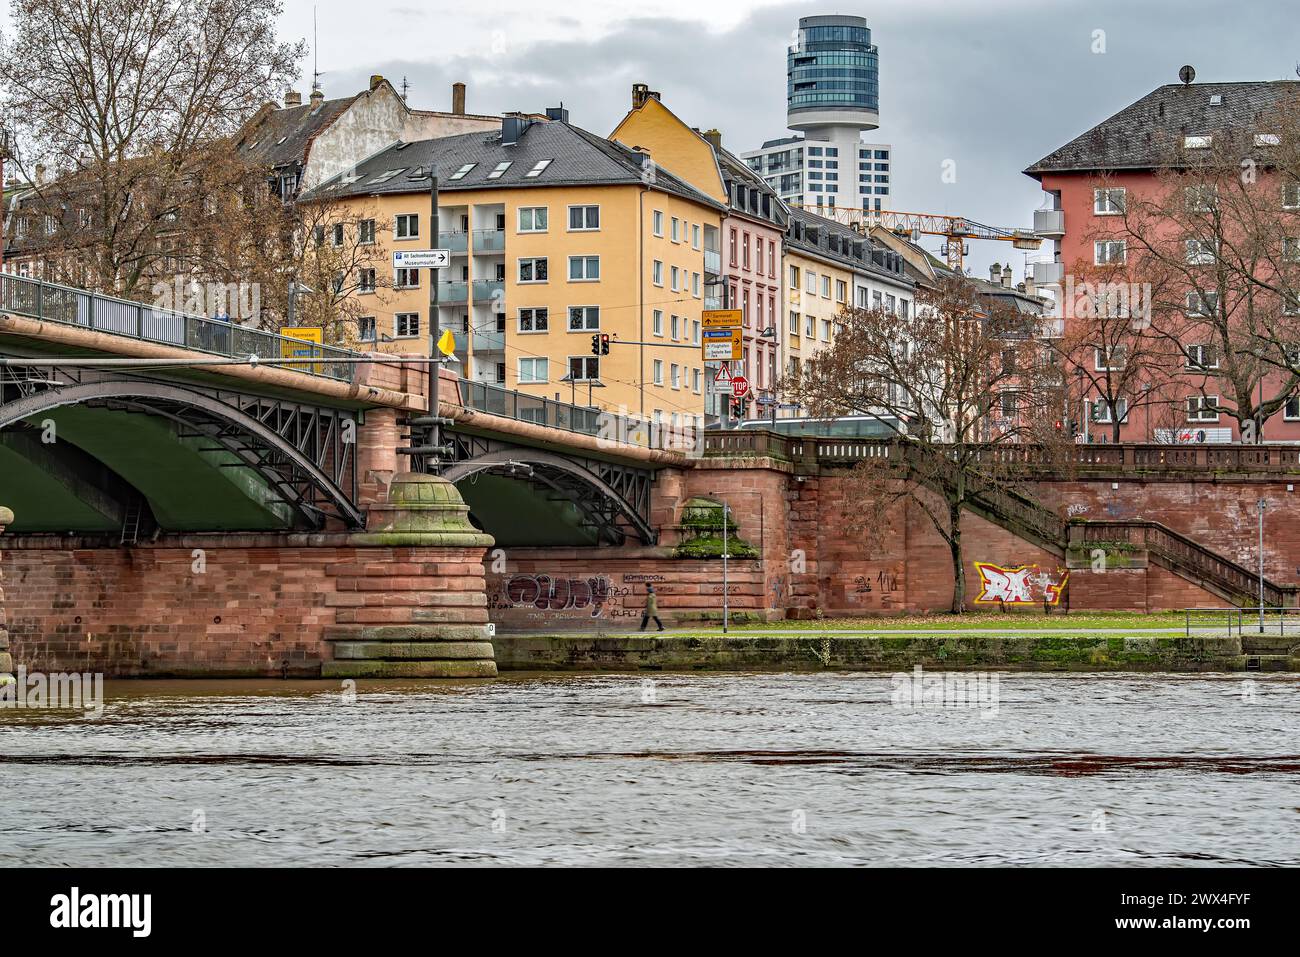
1197,142
532,270
501,372
534,319
1201,357
338,232
696,378
809,327
1200,408
1267,139
794,278
584,268
1107,251
658,222
695,235
460,173
841,290
499,170
1110,359
771,258
366,330
826,330
794,323
677,230
810,285
1291,411
659,322
672,327
1101,410
1202,304
533,369
366,280
532,219
406,325
658,273
744,251
407,279
1291,195
1109,201
1291,249
826,287
659,372
695,285
366,232
1200,252
675,376
583,368
406,226
538,169
1007,404
584,318
1201,199
695,331
731,247
584,218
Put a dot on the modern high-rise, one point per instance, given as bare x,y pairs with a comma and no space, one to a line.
832,98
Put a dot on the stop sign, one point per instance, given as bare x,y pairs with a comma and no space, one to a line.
739,386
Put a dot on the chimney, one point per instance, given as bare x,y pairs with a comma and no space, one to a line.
641,93
995,273
557,113
40,174
458,99
1006,275
292,98
714,137
375,80
317,97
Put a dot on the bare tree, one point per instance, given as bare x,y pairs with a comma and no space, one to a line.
969,390
132,106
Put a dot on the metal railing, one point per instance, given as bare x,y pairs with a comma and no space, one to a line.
607,426
51,302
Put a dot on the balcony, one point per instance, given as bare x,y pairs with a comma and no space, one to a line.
452,292
453,241
488,340
487,289
1049,223
712,262
489,241
1048,274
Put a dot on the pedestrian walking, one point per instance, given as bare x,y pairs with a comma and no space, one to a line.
651,609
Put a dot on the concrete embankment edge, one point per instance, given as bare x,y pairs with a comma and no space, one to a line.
814,652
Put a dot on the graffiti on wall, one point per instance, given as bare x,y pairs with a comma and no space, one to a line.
594,596
1019,585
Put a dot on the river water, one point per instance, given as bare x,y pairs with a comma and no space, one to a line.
718,769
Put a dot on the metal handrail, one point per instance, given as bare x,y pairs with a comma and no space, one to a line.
51,302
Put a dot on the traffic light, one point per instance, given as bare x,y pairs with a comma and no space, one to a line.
595,345
604,344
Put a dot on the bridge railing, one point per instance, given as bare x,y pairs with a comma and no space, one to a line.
51,302
598,423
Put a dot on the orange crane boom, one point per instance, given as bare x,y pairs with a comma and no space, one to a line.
955,229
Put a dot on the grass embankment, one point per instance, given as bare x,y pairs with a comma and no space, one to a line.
1081,624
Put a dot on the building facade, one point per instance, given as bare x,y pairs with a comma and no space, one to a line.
832,98
557,237
1089,182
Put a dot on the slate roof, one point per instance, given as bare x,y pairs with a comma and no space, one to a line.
810,233
1140,135
578,158
283,137
735,170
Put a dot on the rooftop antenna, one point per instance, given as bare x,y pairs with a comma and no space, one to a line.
405,86
315,55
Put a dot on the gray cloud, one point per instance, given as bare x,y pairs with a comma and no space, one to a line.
993,88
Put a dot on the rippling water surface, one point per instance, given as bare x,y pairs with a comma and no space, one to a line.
799,769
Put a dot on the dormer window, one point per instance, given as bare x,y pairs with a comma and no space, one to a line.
1197,141
1267,139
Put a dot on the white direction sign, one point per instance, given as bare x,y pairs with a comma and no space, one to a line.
422,259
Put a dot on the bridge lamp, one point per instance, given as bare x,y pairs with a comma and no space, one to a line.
573,384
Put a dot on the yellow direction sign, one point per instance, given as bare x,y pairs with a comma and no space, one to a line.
720,318
720,344
309,336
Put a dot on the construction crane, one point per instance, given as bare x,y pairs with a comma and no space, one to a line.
911,226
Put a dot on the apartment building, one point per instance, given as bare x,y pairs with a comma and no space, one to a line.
557,237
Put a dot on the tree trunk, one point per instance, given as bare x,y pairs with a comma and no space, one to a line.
1114,431
958,571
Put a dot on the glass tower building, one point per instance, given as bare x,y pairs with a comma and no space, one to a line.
832,98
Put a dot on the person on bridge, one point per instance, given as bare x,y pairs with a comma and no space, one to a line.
651,609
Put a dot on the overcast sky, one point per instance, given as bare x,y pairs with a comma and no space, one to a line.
991,84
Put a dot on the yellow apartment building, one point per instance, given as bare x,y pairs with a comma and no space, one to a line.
556,236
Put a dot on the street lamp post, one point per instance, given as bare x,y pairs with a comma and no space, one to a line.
1261,506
